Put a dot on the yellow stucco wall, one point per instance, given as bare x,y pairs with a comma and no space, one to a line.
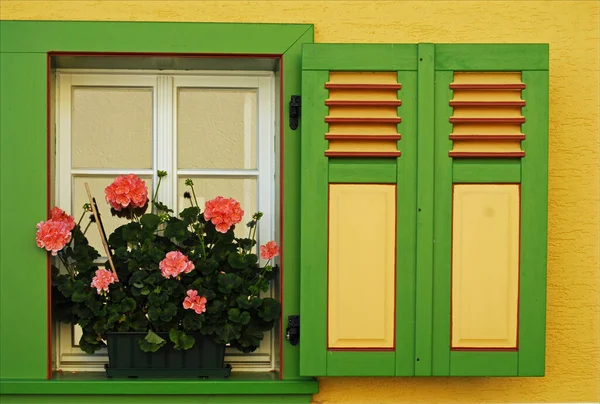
571,28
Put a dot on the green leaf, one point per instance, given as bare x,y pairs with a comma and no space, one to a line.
89,347
138,321
176,229
137,277
256,302
237,261
131,232
246,243
190,215
151,342
228,282
181,339
145,291
250,259
214,307
192,321
150,222
128,304
162,207
154,313
157,297
243,302
207,267
116,239
251,337
270,309
236,316
79,296
168,312
228,332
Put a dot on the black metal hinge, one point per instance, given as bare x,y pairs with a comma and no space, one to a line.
292,332
295,106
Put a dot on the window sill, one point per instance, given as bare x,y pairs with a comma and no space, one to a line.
266,385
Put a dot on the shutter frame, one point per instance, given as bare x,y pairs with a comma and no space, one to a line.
424,175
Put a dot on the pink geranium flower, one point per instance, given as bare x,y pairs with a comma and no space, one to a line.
127,190
174,264
269,250
102,279
53,235
223,213
194,302
59,215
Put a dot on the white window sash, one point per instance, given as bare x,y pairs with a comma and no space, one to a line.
164,85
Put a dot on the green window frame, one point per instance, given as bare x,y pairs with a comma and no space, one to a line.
25,50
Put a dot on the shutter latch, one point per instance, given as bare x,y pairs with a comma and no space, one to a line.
292,332
295,105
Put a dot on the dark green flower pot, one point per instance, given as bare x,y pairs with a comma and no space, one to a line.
126,359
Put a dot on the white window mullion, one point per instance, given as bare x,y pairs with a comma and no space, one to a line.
265,157
163,139
64,181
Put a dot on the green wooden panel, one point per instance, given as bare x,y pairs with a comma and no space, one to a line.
318,61
406,226
534,226
114,399
96,383
23,334
352,363
357,57
491,57
483,363
425,211
313,226
442,227
163,37
290,202
484,171
531,171
362,171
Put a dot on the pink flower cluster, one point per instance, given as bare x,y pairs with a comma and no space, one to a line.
174,264
102,279
127,190
269,250
223,213
55,233
194,302
59,215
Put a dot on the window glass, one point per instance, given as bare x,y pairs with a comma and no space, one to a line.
111,127
216,128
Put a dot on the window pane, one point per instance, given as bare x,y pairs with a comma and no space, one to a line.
97,185
111,127
242,190
216,128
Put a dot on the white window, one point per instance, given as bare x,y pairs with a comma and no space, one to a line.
217,128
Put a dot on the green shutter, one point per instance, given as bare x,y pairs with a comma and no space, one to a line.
448,93
323,63
500,75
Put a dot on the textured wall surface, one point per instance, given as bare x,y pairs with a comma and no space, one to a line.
571,29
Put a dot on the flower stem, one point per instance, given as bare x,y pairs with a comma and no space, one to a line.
195,199
87,227
200,232
82,215
67,266
157,188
